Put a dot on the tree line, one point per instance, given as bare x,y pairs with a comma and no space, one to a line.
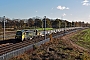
39,23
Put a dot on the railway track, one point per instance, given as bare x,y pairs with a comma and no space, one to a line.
12,47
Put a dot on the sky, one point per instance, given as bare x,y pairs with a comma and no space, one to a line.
72,10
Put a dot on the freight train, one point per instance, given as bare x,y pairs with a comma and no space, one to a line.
29,34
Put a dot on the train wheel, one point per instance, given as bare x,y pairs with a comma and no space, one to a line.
28,38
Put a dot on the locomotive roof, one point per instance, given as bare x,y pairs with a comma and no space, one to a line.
21,30
29,31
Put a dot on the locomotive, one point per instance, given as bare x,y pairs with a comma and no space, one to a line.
25,34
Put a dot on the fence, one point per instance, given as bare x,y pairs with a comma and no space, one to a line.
21,50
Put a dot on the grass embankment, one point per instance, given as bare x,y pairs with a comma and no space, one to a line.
82,38
53,51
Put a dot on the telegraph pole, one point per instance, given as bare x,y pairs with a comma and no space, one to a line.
3,27
42,24
62,19
59,24
65,24
45,27
74,25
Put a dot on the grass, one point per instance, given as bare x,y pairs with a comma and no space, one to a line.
40,29
82,38
43,28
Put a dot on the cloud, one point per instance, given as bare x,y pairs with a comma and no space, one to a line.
89,15
52,8
36,11
62,8
70,14
64,14
51,13
86,3
67,8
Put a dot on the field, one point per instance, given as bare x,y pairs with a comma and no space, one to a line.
74,46
45,29
82,38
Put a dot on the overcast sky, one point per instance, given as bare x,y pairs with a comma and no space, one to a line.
72,10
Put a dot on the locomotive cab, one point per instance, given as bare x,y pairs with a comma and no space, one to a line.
20,34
